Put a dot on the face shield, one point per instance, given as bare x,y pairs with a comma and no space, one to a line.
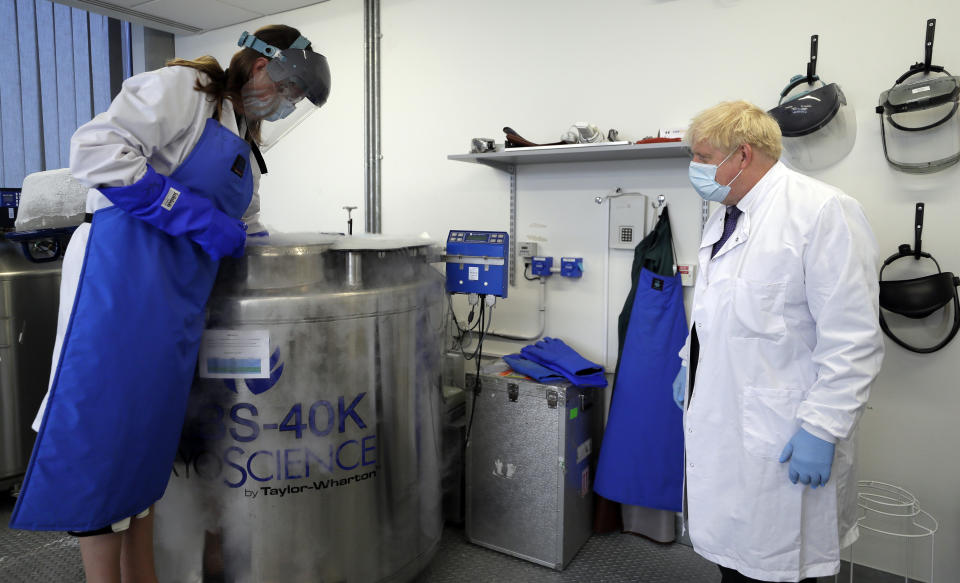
918,299
818,127
299,83
919,125
918,116
919,304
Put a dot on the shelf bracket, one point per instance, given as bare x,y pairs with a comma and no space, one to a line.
512,169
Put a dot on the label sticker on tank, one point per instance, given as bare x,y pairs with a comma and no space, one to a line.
583,450
235,354
473,273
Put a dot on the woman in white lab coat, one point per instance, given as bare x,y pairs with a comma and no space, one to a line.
784,347
172,168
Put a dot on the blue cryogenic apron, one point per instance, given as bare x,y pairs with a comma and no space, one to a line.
117,403
641,456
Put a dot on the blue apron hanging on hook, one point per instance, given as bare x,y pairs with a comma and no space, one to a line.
109,434
641,457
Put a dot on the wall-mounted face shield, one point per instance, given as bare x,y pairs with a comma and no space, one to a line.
918,117
818,127
919,298
296,83
920,127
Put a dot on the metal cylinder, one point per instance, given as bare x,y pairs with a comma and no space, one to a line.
329,469
29,293
354,273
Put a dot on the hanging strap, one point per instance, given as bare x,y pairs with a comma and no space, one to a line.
918,231
812,64
811,70
928,44
242,127
256,154
925,66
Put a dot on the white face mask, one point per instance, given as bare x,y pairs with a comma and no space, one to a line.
703,177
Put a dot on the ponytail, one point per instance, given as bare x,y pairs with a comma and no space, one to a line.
218,85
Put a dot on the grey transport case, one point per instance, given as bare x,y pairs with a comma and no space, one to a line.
530,459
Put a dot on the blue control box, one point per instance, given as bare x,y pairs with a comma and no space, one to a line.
9,204
571,266
541,266
478,262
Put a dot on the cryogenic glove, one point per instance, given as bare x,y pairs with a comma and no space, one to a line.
176,210
680,386
554,354
810,458
556,351
533,370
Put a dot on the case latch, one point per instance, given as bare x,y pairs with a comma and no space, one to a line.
513,391
552,398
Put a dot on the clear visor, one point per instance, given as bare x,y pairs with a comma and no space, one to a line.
920,126
824,147
272,131
819,128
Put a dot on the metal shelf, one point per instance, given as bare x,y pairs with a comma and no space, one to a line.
504,159
507,160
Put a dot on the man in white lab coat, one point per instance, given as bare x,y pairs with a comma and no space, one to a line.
784,347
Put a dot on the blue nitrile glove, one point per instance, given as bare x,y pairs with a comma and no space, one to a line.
554,354
533,370
680,387
810,458
176,210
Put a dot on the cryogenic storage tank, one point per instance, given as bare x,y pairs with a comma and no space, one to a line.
311,452
29,295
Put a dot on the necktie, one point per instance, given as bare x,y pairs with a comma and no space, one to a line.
729,224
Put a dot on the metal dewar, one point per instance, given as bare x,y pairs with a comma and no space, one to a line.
329,470
29,293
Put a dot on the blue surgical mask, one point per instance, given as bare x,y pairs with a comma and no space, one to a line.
265,100
284,108
703,177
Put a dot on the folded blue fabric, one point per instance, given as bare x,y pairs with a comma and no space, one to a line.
554,354
533,370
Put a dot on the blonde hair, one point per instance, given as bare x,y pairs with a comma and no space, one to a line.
727,125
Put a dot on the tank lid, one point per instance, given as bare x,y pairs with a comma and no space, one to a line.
291,244
375,242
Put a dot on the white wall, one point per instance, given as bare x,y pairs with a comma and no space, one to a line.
457,70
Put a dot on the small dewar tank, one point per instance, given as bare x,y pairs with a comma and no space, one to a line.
30,265
326,466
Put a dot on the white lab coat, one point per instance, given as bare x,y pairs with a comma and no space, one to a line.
157,119
787,320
